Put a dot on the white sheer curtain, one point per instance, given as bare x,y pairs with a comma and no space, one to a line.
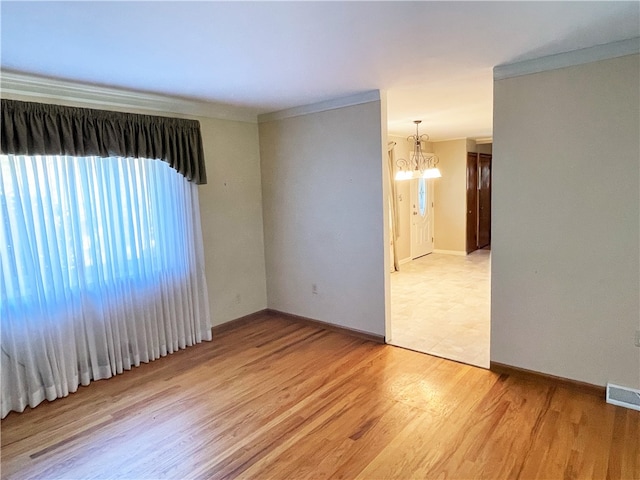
101,268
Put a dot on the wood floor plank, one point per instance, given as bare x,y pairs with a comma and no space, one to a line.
284,400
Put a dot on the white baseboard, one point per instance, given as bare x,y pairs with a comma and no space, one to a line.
461,253
405,260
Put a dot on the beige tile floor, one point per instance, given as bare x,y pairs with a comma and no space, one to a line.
440,304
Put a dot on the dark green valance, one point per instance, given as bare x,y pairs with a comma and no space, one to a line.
41,129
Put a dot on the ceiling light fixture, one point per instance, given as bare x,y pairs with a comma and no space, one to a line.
420,164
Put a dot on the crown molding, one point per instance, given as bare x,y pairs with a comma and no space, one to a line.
357,99
31,87
568,59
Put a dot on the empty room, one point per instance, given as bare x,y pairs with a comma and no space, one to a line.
285,240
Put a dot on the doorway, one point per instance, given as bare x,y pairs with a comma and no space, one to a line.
440,299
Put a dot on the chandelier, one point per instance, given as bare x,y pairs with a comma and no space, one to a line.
420,164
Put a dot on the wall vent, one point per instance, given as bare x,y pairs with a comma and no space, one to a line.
623,396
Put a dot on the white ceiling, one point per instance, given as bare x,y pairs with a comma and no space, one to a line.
434,59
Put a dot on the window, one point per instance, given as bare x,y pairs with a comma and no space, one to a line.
422,196
101,268
73,223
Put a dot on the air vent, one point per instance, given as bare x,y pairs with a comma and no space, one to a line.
623,396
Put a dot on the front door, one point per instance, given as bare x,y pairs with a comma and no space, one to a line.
421,217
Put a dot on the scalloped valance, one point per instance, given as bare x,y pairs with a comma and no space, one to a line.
30,128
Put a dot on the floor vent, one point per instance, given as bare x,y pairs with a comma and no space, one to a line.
623,396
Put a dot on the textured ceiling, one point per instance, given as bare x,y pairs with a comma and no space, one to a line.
434,59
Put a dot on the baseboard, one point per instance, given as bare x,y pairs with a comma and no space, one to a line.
405,260
238,322
584,387
461,253
328,326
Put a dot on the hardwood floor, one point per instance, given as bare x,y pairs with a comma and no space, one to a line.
283,400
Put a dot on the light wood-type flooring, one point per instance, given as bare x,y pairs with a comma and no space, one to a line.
276,399
440,304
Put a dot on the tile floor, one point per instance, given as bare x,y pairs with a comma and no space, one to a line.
440,304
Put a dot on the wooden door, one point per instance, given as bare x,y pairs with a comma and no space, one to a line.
472,202
484,200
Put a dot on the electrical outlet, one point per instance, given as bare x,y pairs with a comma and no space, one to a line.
637,342
238,299
314,288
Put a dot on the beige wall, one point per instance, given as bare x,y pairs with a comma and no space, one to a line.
565,233
471,146
322,182
231,214
450,194
484,148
